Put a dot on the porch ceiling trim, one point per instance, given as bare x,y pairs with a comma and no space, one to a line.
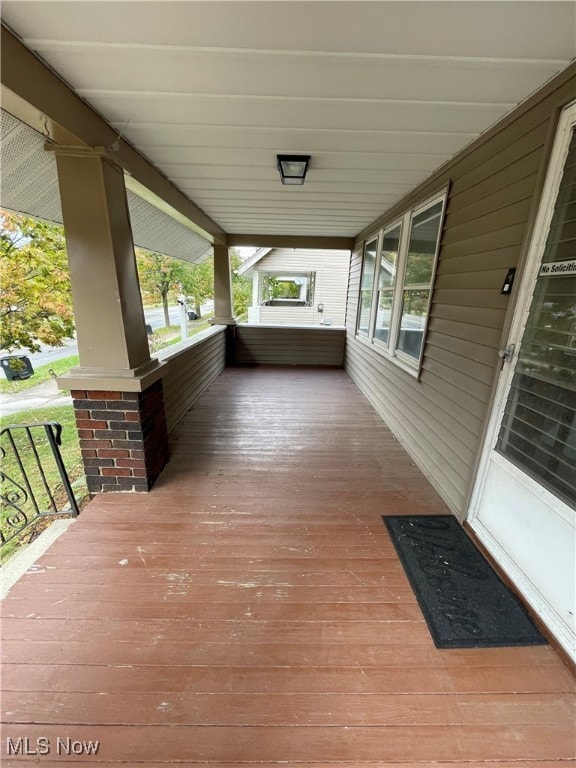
37,96
291,241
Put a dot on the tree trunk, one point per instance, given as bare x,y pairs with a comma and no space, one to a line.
166,312
198,310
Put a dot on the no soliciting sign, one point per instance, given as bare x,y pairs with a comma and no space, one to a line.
558,269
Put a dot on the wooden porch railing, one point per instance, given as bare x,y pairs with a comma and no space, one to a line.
290,345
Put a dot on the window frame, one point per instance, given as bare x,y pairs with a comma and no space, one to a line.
310,285
377,239
390,348
378,343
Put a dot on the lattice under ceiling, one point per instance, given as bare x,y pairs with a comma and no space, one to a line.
30,186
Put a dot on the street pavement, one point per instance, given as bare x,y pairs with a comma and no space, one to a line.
154,317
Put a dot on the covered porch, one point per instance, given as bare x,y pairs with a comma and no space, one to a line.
247,606
251,609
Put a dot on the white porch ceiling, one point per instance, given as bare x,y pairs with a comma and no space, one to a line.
379,93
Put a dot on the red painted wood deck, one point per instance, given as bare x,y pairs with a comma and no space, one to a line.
251,610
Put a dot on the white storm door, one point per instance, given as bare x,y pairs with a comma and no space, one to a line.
523,505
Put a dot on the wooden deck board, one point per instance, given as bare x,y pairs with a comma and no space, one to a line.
251,610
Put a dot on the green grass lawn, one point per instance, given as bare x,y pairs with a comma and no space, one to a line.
71,456
166,337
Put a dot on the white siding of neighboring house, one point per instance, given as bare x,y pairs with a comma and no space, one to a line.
331,268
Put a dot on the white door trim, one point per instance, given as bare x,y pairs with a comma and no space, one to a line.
490,515
525,292
526,588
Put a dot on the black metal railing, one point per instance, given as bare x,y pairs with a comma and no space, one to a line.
34,484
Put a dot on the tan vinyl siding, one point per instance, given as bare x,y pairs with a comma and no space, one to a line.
290,346
489,318
189,371
331,268
460,281
476,333
467,206
494,187
467,264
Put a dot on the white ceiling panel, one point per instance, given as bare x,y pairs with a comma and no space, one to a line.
147,137
266,173
203,158
379,93
329,76
532,30
312,114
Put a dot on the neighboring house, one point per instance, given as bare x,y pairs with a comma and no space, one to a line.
297,287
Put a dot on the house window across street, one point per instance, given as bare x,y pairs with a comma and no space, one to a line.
396,286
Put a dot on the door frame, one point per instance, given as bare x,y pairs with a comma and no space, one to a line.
526,287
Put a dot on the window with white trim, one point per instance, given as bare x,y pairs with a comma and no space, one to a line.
384,298
398,271
366,287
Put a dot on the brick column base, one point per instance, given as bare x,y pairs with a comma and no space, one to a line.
123,438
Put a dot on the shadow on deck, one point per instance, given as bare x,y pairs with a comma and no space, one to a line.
251,609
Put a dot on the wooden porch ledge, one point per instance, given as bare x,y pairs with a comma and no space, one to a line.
251,610
183,347
290,345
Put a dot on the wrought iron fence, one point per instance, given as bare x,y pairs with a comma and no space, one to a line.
34,484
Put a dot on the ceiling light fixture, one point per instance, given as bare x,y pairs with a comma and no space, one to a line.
293,168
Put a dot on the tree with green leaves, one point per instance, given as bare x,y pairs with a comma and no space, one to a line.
241,288
35,290
198,284
163,277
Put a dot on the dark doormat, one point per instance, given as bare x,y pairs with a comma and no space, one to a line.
464,601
